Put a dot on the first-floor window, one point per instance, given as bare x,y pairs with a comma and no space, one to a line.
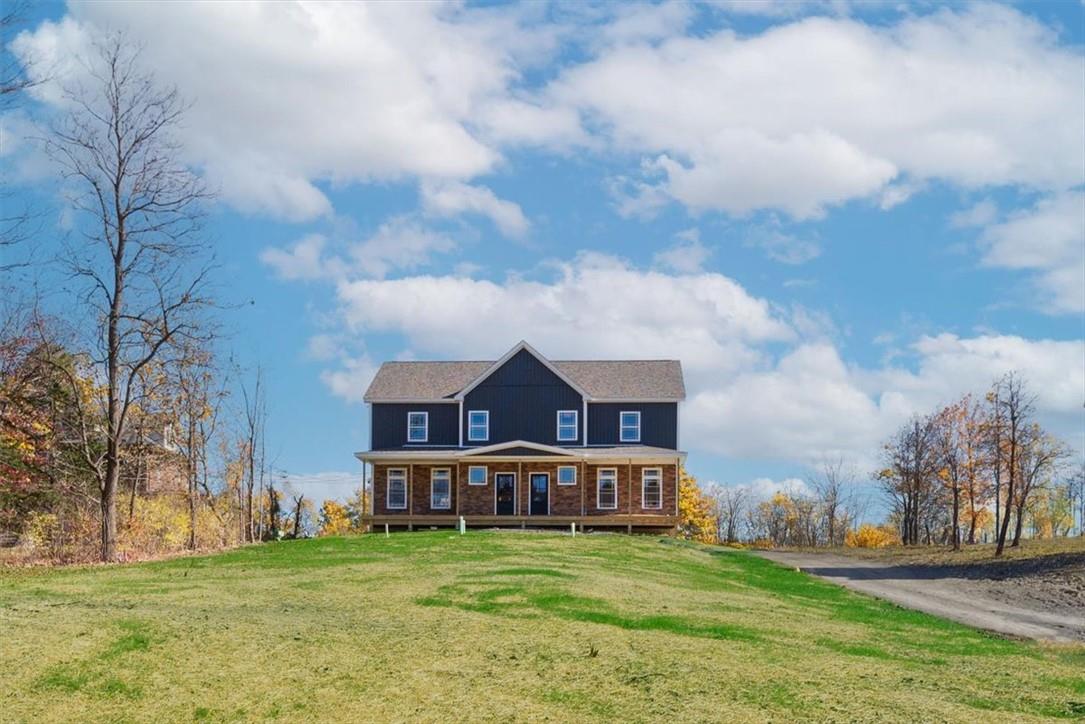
417,426
607,493
476,475
566,475
440,489
651,487
397,489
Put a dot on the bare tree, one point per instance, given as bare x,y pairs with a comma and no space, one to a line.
832,485
730,504
909,475
950,445
255,463
138,259
1041,456
1012,413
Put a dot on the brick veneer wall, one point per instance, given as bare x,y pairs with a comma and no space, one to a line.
564,499
418,488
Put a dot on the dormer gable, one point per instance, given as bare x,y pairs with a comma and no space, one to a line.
520,347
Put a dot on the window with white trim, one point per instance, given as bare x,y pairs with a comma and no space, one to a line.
478,425
629,425
567,425
566,475
397,489
606,494
417,426
476,475
440,489
651,488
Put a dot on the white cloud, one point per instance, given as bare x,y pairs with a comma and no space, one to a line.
301,261
762,383
450,199
351,379
401,243
780,245
979,214
647,22
821,111
764,488
1050,239
596,306
810,113
289,96
687,255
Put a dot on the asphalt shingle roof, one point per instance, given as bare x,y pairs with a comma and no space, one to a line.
601,379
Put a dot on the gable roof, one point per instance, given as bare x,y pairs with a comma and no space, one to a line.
600,380
521,346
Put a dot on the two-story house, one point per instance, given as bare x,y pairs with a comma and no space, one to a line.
525,441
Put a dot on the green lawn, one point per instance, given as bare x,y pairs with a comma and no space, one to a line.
498,626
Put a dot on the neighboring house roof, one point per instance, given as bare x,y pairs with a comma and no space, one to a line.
602,380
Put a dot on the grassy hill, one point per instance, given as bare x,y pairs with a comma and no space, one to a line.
508,626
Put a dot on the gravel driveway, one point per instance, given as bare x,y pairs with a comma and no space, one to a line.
1028,602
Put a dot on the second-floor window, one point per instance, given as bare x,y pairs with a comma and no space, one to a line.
567,425
629,427
478,425
417,426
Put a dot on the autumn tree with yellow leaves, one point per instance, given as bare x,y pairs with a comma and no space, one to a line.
696,521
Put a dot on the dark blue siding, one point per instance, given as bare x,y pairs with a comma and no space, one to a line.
390,424
523,397
658,423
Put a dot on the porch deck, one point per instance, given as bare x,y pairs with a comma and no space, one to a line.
629,522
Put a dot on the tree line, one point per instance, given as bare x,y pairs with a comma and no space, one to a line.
976,463
124,420
976,470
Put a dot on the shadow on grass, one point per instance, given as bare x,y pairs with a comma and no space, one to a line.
479,594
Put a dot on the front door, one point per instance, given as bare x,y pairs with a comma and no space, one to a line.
505,492
540,494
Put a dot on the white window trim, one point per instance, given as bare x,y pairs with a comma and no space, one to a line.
432,480
621,438
566,467
576,425
643,486
425,425
485,474
599,488
399,473
470,437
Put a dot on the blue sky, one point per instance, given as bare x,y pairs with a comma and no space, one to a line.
834,214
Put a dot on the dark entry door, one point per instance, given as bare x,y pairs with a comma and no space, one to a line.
540,494
505,490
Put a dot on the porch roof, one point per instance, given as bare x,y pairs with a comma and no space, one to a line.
537,452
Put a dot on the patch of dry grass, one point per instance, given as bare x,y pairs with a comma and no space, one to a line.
980,553
493,626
